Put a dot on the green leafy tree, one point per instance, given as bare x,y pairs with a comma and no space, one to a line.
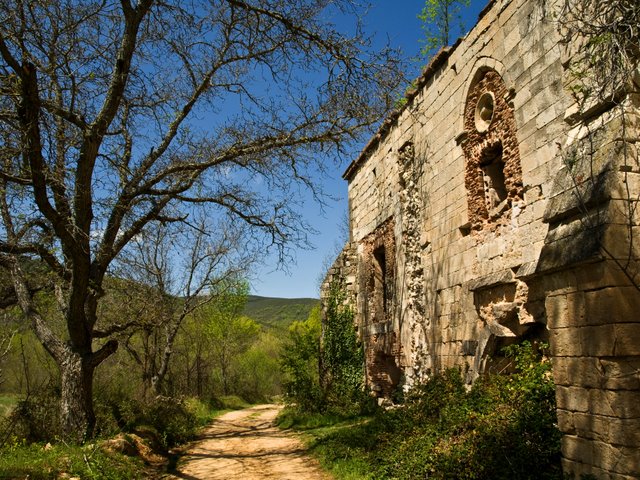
259,375
300,362
440,18
230,333
324,359
342,354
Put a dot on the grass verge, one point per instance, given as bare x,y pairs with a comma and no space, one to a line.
44,462
163,424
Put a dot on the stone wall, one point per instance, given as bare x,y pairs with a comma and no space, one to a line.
477,221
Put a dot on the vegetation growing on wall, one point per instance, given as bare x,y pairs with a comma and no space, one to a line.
324,361
342,354
440,19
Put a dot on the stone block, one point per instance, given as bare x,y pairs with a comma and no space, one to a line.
577,470
623,404
627,339
598,341
618,460
624,432
598,276
565,343
570,243
577,449
620,373
566,310
573,399
584,372
565,422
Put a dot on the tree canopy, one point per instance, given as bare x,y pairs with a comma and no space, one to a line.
440,18
117,115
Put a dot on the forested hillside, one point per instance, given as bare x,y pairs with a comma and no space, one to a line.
278,313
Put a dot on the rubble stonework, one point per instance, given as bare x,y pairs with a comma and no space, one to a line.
485,212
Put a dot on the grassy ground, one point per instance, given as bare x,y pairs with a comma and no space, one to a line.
318,431
44,462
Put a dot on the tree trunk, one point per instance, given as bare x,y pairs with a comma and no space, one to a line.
76,404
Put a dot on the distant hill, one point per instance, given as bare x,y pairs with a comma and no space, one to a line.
278,313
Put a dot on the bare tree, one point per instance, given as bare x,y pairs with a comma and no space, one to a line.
172,287
117,115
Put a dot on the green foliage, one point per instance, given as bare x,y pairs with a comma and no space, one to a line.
324,362
440,18
36,418
259,376
299,360
230,301
231,402
232,336
277,314
314,427
7,403
503,428
89,462
229,334
402,100
342,355
172,418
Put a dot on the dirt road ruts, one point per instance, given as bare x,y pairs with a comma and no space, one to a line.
246,445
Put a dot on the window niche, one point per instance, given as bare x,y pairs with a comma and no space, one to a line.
493,175
380,288
495,190
379,257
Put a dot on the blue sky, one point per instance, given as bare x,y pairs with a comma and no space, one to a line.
397,23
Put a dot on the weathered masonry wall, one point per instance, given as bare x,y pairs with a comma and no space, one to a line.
477,220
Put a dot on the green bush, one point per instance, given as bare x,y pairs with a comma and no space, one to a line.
299,362
323,361
504,428
231,402
36,418
172,419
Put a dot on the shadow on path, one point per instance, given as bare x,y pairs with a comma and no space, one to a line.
246,445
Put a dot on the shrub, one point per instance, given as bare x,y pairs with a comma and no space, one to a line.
503,428
299,363
172,419
323,361
36,418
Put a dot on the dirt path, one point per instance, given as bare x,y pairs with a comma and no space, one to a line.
246,445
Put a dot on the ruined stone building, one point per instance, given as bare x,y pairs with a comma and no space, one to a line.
492,208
